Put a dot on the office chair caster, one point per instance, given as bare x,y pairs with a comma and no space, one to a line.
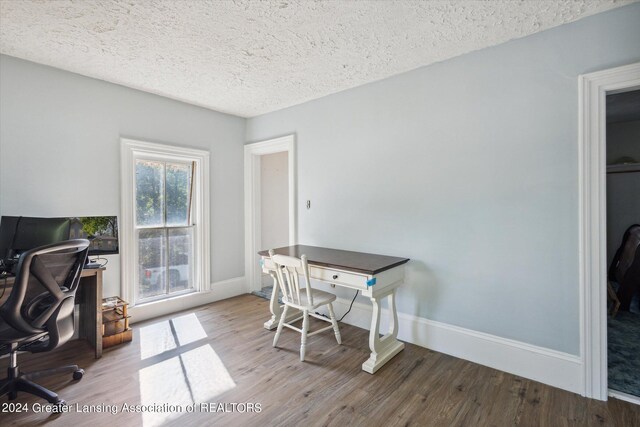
77,375
58,406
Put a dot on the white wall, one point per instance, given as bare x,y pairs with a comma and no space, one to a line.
60,151
470,168
274,204
274,193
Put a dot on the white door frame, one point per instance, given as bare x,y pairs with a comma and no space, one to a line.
593,89
252,214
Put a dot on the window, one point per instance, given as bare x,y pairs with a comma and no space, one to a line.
165,215
164,232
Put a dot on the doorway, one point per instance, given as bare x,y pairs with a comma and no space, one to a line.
274,210
270,202
623,212
593,91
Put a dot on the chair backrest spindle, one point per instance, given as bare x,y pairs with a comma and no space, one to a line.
288,272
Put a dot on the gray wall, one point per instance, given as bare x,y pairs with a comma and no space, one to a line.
60,151
470,168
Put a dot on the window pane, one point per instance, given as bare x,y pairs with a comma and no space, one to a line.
149,193
152,263
178,193
180,259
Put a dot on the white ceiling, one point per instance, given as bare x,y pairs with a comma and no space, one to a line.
252,57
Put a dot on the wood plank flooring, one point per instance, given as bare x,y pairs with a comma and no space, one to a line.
220,354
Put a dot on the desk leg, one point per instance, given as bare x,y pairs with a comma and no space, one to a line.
382,349
91,311
274,306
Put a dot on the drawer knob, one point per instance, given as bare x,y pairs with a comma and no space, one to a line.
335,276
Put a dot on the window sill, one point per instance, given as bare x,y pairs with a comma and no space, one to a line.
150,309
163,298
219,290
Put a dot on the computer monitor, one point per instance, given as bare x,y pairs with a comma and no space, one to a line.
101,231
7,231
18,234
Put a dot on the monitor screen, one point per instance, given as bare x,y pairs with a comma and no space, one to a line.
23,233
101,231
20,233
7,231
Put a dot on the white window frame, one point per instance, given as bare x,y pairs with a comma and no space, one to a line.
130,150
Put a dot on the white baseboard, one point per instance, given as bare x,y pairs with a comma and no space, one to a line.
219,291
547,366
624,396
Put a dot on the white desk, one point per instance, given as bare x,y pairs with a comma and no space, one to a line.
376,276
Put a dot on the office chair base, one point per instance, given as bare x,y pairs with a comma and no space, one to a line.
23,385
17,382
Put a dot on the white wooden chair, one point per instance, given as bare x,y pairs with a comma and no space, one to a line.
307,299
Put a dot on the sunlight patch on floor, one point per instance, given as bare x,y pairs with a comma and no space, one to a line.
191,377
156,339
162,383
206,374
188,329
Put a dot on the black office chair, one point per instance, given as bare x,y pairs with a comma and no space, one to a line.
625,267
38,314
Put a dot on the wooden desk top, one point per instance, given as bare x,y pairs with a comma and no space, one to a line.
86,272
359,262
10,280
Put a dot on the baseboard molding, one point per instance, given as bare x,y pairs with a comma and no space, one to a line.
624,396
547,366
219,291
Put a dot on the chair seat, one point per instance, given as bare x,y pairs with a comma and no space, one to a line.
9,335
319,298
288,271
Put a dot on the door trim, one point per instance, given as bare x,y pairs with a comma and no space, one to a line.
593,89
252,214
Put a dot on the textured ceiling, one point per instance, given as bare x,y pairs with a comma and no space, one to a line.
252,57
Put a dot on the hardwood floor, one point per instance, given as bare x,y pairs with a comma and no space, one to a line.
220,354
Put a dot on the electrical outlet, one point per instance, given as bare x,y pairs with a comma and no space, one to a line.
308,204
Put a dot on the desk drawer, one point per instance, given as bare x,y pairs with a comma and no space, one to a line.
353,280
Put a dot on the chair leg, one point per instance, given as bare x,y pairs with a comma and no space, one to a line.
614,298
4,386
17,381
37,390
283,316
625,295
49,372
334,322
305,329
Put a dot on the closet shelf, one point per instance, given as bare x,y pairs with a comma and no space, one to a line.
622,168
